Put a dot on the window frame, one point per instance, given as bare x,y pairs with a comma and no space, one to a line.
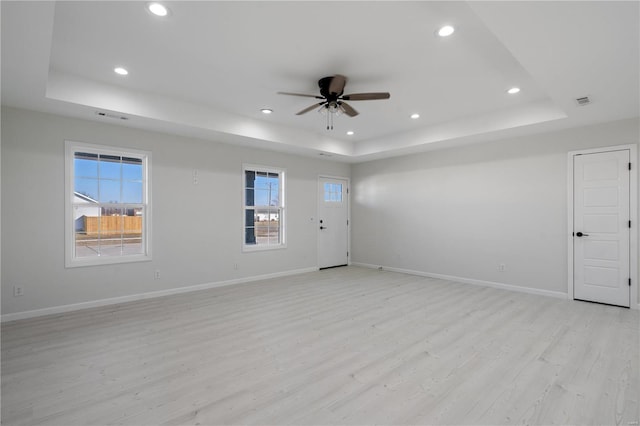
71,261
282,221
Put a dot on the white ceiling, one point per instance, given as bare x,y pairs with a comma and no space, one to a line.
208,68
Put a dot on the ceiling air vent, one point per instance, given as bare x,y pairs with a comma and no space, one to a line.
583,101
108,115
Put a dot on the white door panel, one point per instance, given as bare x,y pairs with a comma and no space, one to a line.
333,228
601,227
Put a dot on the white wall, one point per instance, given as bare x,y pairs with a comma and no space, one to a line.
461,212
197,229
457,212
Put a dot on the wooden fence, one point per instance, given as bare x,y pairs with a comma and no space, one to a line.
112,225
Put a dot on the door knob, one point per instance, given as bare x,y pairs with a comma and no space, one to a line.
580,234
323,227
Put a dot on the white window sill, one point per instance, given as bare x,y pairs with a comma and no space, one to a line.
97,261
249,249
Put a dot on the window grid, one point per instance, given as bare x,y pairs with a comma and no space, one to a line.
332,192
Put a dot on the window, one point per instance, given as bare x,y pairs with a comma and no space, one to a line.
332,192
107,200
263,206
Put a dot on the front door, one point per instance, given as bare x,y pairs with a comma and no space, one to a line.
601,227
333,225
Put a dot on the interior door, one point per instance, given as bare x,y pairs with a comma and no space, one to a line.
333,226
601,227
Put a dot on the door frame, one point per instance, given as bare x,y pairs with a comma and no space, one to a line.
348,201
633,210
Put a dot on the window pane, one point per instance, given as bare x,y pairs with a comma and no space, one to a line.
250,217
262,226
249,236
132,231
250,177
84,188
85,165
249,197
261,180
111,231
86,235
110,167
249,221
109,191
262,197
132,192
274,194
274,226
274,234
131,168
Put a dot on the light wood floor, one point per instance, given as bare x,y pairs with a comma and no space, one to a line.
341,346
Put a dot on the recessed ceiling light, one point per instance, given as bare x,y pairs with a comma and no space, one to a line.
120,70
446,31
415,116
350,132
157,9
266,110
513,90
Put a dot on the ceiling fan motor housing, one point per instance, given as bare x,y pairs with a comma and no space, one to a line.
324,84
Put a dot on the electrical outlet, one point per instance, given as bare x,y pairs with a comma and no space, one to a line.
18,291
157,274
502,267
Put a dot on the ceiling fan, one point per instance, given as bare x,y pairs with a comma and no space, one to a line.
331,91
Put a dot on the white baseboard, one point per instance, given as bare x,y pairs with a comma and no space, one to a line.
123,299
141,296
529,290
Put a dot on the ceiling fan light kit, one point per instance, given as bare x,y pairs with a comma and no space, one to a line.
331,93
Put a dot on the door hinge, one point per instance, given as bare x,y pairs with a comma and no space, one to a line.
348,256
629,282
629,224
629,166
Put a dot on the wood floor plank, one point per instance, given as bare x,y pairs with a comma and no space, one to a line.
341,346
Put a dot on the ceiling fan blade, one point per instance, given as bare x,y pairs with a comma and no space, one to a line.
366,96
337,84
300,94
314,106
348,109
